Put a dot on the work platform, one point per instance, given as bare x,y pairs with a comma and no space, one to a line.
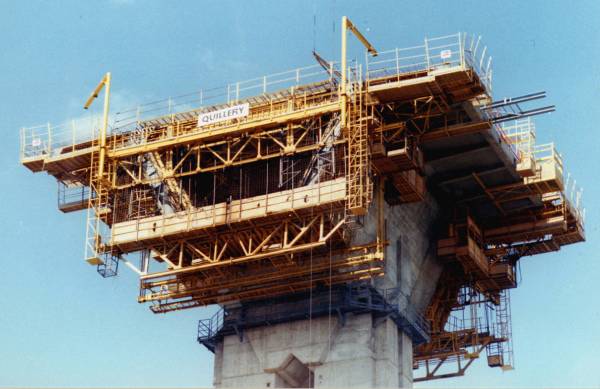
245,213
267,190
348,299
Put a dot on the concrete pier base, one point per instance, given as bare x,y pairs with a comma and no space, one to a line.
319,353
356,350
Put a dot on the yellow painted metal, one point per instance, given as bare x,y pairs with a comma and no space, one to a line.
359,185
104,83
253,246
361,37
343,94
104,128
97,205
348,25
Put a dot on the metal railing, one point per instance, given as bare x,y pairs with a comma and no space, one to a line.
503,134
401,302
225,95
521,134
48,140
53,140
546,154
73,195
364,297
456,50
477,324
573,196
172,126
435,54
208,328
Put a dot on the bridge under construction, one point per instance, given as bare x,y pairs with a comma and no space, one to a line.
359,223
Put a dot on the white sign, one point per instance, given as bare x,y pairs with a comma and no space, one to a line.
237,111
445,54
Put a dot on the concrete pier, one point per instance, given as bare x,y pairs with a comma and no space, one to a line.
360,350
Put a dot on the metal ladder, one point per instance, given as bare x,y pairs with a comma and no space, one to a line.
360,187
504,327
97,230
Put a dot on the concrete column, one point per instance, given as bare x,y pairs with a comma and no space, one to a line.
365,351
319,352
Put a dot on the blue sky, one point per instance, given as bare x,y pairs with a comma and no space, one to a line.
62,325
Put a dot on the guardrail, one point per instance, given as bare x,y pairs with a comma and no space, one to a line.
172,126
521,134
225,95
351,299
401,303
73,196
52,140
434,54
573,197
501,131
547,152
208,328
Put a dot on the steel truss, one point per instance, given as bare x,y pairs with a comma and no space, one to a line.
291,139
246,256
413,104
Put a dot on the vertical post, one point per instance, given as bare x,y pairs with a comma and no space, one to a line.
461,48
474,52
104,128
73,135
49,139
343,97
145,260
482,58
380,213
427,54
330,71
23,141
367,67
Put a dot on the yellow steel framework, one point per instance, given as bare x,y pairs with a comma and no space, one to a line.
266,204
